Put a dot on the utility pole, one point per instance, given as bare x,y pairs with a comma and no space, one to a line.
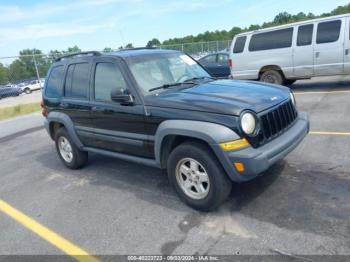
36,69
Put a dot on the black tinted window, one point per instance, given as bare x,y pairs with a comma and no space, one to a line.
239,44
305,35
271,40
54,81
77,81
107,78
328,32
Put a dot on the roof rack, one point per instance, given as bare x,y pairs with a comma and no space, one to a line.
137,48
78,54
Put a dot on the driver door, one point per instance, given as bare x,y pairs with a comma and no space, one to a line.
118,128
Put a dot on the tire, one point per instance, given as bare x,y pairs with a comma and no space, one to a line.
69,154
218,187
27,91
272,76
289,82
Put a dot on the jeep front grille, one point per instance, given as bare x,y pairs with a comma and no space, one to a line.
275,122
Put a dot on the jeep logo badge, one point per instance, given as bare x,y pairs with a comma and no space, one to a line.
273,98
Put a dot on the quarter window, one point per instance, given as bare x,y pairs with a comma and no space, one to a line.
77,81
107,78
239,44
305,35
328,32
209,59
53,87
271,40
222,58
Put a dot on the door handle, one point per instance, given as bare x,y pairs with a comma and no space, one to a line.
317,54
64,105
346,51
97,109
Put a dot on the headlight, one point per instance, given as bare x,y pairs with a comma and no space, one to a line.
248,123
292,98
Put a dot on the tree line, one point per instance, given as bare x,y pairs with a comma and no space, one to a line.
280,19
23,67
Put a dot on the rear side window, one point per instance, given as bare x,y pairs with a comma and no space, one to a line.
239,44
209,59
305,35
271,40
328,32
222,58
107,78
54,81
77,81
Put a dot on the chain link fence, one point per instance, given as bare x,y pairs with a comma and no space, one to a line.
200,49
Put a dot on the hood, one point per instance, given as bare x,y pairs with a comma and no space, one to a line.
222,96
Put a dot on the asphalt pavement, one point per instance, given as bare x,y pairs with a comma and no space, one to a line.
300,206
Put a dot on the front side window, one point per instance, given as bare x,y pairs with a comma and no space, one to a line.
328,32
239,44
54,81
107,79
77,81
271,40
305,35
152,71
208,59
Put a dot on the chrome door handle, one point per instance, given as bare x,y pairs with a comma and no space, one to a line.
317,54
97,109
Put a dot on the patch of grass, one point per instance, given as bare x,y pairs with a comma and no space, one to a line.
8,112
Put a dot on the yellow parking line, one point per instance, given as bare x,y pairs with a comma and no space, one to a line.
329,133
47,234
322,92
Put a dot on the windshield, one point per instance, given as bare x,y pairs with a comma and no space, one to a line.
156,70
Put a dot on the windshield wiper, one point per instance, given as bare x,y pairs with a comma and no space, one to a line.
165,86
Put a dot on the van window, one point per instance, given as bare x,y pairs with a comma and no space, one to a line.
77,81
53,87
271,40
328,32
239,44
305,35
107,78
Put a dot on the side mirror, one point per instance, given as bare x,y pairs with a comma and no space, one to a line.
122,96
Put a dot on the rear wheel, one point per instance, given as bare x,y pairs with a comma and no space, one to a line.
272,76
27,91
197,176
70,155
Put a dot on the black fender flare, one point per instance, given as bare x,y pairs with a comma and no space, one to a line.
67,122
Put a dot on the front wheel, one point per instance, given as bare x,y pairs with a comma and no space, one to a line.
272,76
27,91
198,177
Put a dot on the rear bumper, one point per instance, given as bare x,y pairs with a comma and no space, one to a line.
257,160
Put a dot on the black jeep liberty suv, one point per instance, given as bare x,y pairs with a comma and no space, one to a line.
162,109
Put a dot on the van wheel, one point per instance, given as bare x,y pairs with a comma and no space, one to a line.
70,155
197,176
272,76
27,91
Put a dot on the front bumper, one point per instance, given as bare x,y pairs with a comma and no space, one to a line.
257,160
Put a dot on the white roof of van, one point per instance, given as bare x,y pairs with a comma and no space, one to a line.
292,24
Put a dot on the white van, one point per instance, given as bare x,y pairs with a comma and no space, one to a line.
302,50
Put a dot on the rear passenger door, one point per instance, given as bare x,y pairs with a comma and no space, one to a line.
75,102
119,128
347,46
303,52
328,49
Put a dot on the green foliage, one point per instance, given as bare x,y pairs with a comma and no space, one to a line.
152,43
280,19
8,112
107,50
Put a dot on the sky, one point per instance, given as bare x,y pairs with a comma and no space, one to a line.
95,24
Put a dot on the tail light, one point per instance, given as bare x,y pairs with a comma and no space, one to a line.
44,109
230,63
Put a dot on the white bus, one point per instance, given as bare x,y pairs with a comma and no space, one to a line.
286,53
